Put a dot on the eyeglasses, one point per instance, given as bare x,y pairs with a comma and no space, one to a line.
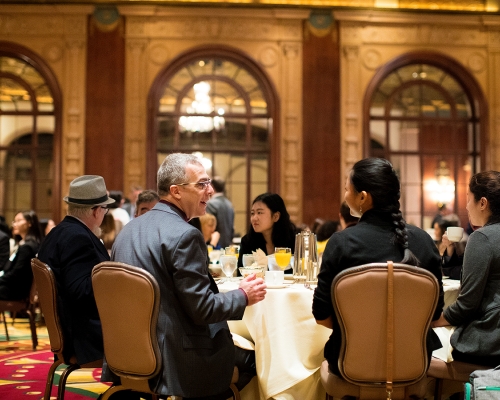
203,185
105,208
18,221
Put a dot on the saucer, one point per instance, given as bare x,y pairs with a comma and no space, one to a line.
282,286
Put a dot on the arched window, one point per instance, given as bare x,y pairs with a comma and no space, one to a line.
427,115
29,110
220,106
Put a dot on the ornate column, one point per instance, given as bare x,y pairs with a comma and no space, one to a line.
493,150
352,131
135,115
291,138
73,146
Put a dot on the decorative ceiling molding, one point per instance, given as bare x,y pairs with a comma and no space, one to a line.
466,6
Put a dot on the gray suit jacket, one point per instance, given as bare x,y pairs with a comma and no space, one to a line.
194,338
221,207
476,312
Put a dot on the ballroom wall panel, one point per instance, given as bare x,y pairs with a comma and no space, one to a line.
321,127
105,105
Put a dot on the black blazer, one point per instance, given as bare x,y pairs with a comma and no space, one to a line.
371,240
16,282
4,250
72,251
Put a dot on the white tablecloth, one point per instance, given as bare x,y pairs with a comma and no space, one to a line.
288,344
451,288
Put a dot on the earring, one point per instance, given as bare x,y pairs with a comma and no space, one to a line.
360,210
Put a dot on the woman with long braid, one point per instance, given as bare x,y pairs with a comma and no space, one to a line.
476,312
372,192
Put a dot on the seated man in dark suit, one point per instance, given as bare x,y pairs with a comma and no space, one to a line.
197,349
72,249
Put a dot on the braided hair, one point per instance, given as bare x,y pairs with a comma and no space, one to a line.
487,184
377,177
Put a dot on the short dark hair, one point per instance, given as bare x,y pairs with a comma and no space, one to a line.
327,229
147,196
117,196
218,184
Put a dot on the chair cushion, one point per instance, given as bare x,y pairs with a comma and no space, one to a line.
455,371
337,387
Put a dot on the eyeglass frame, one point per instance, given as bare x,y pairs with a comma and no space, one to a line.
106,208
204,184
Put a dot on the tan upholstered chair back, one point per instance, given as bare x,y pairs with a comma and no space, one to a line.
47,297
359,296
128,301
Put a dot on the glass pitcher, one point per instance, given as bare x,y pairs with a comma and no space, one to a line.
305,263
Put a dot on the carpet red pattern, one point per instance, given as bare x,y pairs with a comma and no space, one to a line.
23,372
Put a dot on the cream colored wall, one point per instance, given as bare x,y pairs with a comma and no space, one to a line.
155,36
370,39
58,34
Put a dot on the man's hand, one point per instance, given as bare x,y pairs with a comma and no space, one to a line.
254,287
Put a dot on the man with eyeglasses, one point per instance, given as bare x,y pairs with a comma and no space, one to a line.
71,250
196,344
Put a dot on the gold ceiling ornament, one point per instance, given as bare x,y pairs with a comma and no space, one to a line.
320,22
106,18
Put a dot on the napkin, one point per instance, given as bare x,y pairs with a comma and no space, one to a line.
260,258
242,343
444,353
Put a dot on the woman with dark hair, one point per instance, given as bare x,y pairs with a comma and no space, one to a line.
372,192
15,283
476,312
270,227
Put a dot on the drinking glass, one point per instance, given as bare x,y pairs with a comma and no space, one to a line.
248,260
283,256
228,264
232,250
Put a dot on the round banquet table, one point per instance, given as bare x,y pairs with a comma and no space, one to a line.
288,344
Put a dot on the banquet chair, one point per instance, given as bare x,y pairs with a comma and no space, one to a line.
130,343
384,311
27,305
47,296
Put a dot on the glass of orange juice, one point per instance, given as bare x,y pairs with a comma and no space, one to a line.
283,256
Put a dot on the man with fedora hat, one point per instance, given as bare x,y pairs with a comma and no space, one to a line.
71,250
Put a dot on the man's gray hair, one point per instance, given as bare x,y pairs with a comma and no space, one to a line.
173,171
79,211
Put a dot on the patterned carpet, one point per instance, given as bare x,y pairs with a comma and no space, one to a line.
23,372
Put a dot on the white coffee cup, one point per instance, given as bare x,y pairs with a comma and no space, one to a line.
275,277
455,233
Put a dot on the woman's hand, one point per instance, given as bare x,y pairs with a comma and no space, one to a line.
450,246
440,322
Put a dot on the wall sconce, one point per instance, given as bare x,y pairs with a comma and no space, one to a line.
441,189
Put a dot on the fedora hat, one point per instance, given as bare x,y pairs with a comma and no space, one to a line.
88,190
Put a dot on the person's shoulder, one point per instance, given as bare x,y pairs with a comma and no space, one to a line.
487,233
416,233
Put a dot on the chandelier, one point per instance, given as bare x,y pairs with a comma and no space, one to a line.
202,104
